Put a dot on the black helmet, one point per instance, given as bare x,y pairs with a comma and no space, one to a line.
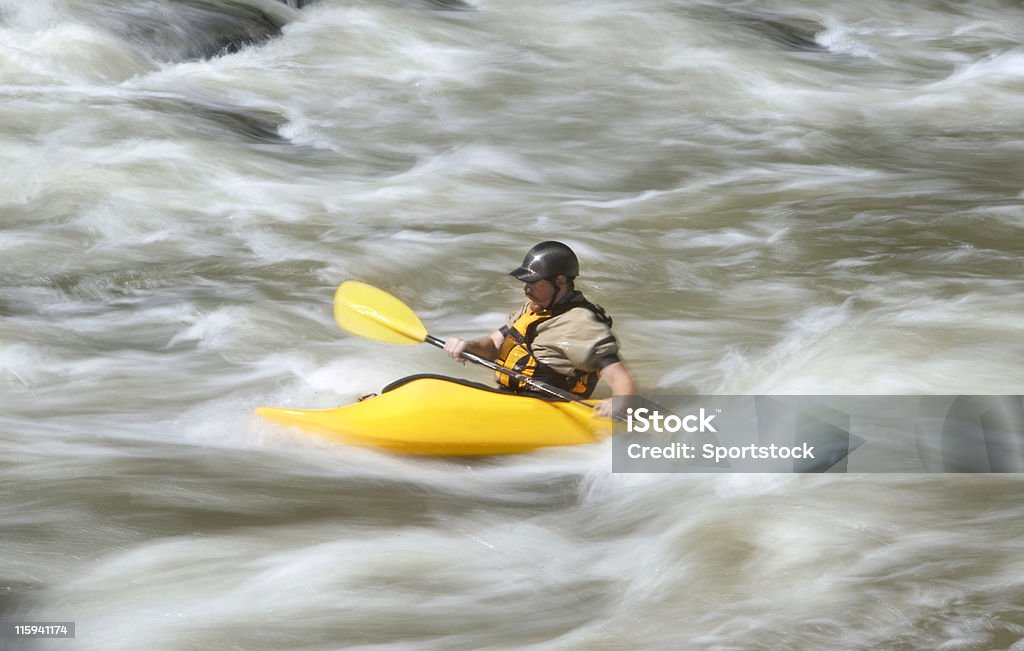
547,260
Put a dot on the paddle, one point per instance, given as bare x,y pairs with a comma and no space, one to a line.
369,312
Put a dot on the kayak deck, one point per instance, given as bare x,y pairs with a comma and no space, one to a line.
433,415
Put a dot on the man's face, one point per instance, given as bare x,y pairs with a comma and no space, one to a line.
540,292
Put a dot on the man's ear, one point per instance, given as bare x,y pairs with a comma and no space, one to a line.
561,281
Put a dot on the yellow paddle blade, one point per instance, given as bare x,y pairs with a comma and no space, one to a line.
369,312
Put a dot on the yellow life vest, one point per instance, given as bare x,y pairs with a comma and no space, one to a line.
516,352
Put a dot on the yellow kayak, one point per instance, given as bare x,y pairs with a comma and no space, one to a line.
434,415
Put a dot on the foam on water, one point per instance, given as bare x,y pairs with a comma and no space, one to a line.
67,52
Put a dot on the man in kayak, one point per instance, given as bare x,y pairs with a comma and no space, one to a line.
558,337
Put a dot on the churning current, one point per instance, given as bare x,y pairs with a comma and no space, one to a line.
772,197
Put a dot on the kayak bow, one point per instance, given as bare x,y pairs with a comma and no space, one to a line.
434,415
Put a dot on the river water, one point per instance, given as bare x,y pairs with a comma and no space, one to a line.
771,197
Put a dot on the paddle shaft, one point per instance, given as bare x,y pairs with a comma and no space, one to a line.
536,384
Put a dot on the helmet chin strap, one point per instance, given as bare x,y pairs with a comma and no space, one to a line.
554,297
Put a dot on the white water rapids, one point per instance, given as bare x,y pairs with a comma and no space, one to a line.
772,197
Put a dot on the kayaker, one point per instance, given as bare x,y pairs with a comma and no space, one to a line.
558,336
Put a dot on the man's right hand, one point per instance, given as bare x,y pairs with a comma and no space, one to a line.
486,346
455,347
